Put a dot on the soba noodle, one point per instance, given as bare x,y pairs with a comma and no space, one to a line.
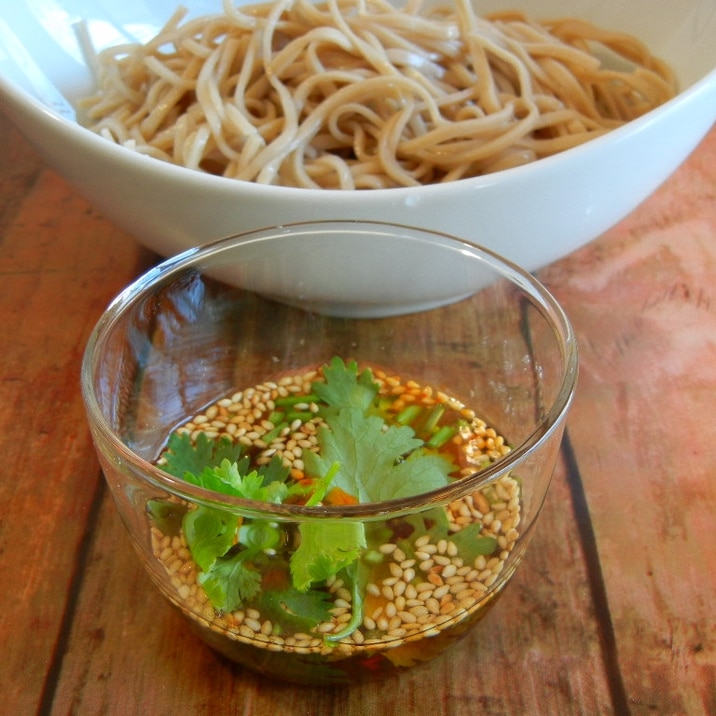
359,94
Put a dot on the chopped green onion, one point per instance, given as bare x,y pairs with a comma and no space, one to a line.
276,417
408,415
291,400
323,485
271,435
431,422
441,436
303,415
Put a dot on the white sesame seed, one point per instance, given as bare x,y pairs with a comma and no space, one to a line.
368,623
440,592
253,624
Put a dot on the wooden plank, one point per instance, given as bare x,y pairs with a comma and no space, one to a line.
643,302
60,262
19,169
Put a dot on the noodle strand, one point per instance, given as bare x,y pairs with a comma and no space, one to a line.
361,94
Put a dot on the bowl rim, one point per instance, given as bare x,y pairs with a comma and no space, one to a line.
166,270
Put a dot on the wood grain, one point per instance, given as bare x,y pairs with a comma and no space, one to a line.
643,303
60,263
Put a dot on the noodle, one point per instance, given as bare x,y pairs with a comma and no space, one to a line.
359,94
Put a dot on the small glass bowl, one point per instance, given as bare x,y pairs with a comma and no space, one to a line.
225,341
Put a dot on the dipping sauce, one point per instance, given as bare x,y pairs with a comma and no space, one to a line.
333,599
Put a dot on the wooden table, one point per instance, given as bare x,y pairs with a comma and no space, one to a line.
614,608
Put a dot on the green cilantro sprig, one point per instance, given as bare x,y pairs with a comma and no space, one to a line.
359,453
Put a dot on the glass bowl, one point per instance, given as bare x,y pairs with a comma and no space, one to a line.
329,477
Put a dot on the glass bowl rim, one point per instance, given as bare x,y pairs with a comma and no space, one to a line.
192,257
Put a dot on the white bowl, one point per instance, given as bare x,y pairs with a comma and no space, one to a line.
532,214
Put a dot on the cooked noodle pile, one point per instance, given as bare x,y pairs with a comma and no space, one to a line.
356,94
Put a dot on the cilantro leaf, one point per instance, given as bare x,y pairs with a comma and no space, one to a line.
167,515
229,583
182,456
471,543
343,387
221,543
259,535
267,484
302,611
220,465
209,534
434,522
251,486
357,574
370,458
275,471
325,548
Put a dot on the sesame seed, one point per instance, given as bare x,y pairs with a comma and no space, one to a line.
442,591
252,624
396,570
342,592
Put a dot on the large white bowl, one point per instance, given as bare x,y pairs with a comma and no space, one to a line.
532,214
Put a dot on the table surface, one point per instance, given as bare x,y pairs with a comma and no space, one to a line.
613,608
